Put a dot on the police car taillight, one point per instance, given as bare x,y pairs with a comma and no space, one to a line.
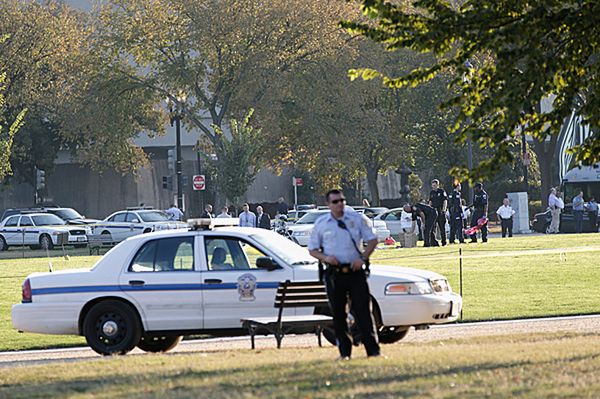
26,291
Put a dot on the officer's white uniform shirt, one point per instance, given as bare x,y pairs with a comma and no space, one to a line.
505,211
406,220
336,241
174,213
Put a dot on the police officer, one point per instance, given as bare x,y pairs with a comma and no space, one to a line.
428,217
480,205
456,215
336,241
438,199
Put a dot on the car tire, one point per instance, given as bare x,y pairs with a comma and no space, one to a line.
46,242
107,233
159,343
3,244
329,332
147,231
390,335
112,328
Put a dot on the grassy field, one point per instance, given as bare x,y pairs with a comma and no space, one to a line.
524,366
522,277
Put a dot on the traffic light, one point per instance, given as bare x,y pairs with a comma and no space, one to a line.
167,182
171,160
40,179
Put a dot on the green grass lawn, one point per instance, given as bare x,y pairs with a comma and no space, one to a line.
505,278
524,366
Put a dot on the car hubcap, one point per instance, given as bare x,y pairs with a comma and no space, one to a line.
110,328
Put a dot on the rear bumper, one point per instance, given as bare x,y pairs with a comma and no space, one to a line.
46,318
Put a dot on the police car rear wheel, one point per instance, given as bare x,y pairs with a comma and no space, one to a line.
159,343
3,245
389,335
112,328
46,242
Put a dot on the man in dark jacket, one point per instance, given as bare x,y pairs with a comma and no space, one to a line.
263,220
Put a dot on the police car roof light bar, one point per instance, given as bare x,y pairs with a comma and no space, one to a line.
210,223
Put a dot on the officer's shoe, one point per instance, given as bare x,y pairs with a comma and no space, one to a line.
377,355
451,242
343,358
473,241
484,240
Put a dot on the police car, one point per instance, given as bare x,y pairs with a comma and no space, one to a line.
302,229
151,289
132,221
40,230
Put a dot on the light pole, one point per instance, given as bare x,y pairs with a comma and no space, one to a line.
176,113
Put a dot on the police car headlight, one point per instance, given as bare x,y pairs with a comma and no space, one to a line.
301,233
418,288
440,285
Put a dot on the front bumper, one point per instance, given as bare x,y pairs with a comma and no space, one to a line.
412,310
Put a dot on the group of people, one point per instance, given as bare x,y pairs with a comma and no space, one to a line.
556,205
247,218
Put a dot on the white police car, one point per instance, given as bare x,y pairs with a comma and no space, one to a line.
153,288
302,229
132,221
40,230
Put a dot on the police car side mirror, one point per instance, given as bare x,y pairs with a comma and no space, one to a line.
264,262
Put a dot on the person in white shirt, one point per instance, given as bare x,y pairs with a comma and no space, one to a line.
505,214
224,213
247,218
174,213
556,205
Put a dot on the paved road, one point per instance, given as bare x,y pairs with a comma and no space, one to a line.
577,324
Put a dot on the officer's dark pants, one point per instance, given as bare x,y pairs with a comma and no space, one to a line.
478,214
594,221
578,216
456,228
441,223
340,286
507,226
429,230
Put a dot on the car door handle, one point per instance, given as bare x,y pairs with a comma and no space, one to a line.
213,281
136,282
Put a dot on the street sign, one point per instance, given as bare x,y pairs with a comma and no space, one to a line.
199,182
298,181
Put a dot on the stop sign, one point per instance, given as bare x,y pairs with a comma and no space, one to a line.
199,182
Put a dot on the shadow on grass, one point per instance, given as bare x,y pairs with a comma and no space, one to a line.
298,379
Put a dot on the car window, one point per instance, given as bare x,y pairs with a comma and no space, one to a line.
47,220
390,216
25,221
119,217
12,222
132,218
226,253
66,213
311,217
153,216
165,255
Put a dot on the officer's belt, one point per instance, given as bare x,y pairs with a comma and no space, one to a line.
343,268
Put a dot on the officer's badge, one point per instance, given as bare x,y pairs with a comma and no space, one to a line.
246,287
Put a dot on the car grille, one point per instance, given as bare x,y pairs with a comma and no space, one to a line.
439,316
77,232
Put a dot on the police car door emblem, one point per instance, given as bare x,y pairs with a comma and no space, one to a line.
246,287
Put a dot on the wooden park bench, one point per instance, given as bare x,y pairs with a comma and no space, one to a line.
97,241
293,295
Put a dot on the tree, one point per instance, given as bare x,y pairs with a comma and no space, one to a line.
515,53
239,159
224,55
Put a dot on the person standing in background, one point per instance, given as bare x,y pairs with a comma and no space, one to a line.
207,214
456,215
263,220
438,199
578,207
224,213
505,214
592,207
282,207
553,202
247,218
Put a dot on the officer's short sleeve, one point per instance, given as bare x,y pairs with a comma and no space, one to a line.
367,231
315,241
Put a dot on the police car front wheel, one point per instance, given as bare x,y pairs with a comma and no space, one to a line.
112,328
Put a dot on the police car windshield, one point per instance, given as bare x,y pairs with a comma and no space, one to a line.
66,214
47,220
311,217
154,216
292,254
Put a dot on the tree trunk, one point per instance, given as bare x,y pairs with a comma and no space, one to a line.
372,174
544,152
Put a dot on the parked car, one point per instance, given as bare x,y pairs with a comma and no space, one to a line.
302,229
123,224
153,288
39,230
69,215
541,222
